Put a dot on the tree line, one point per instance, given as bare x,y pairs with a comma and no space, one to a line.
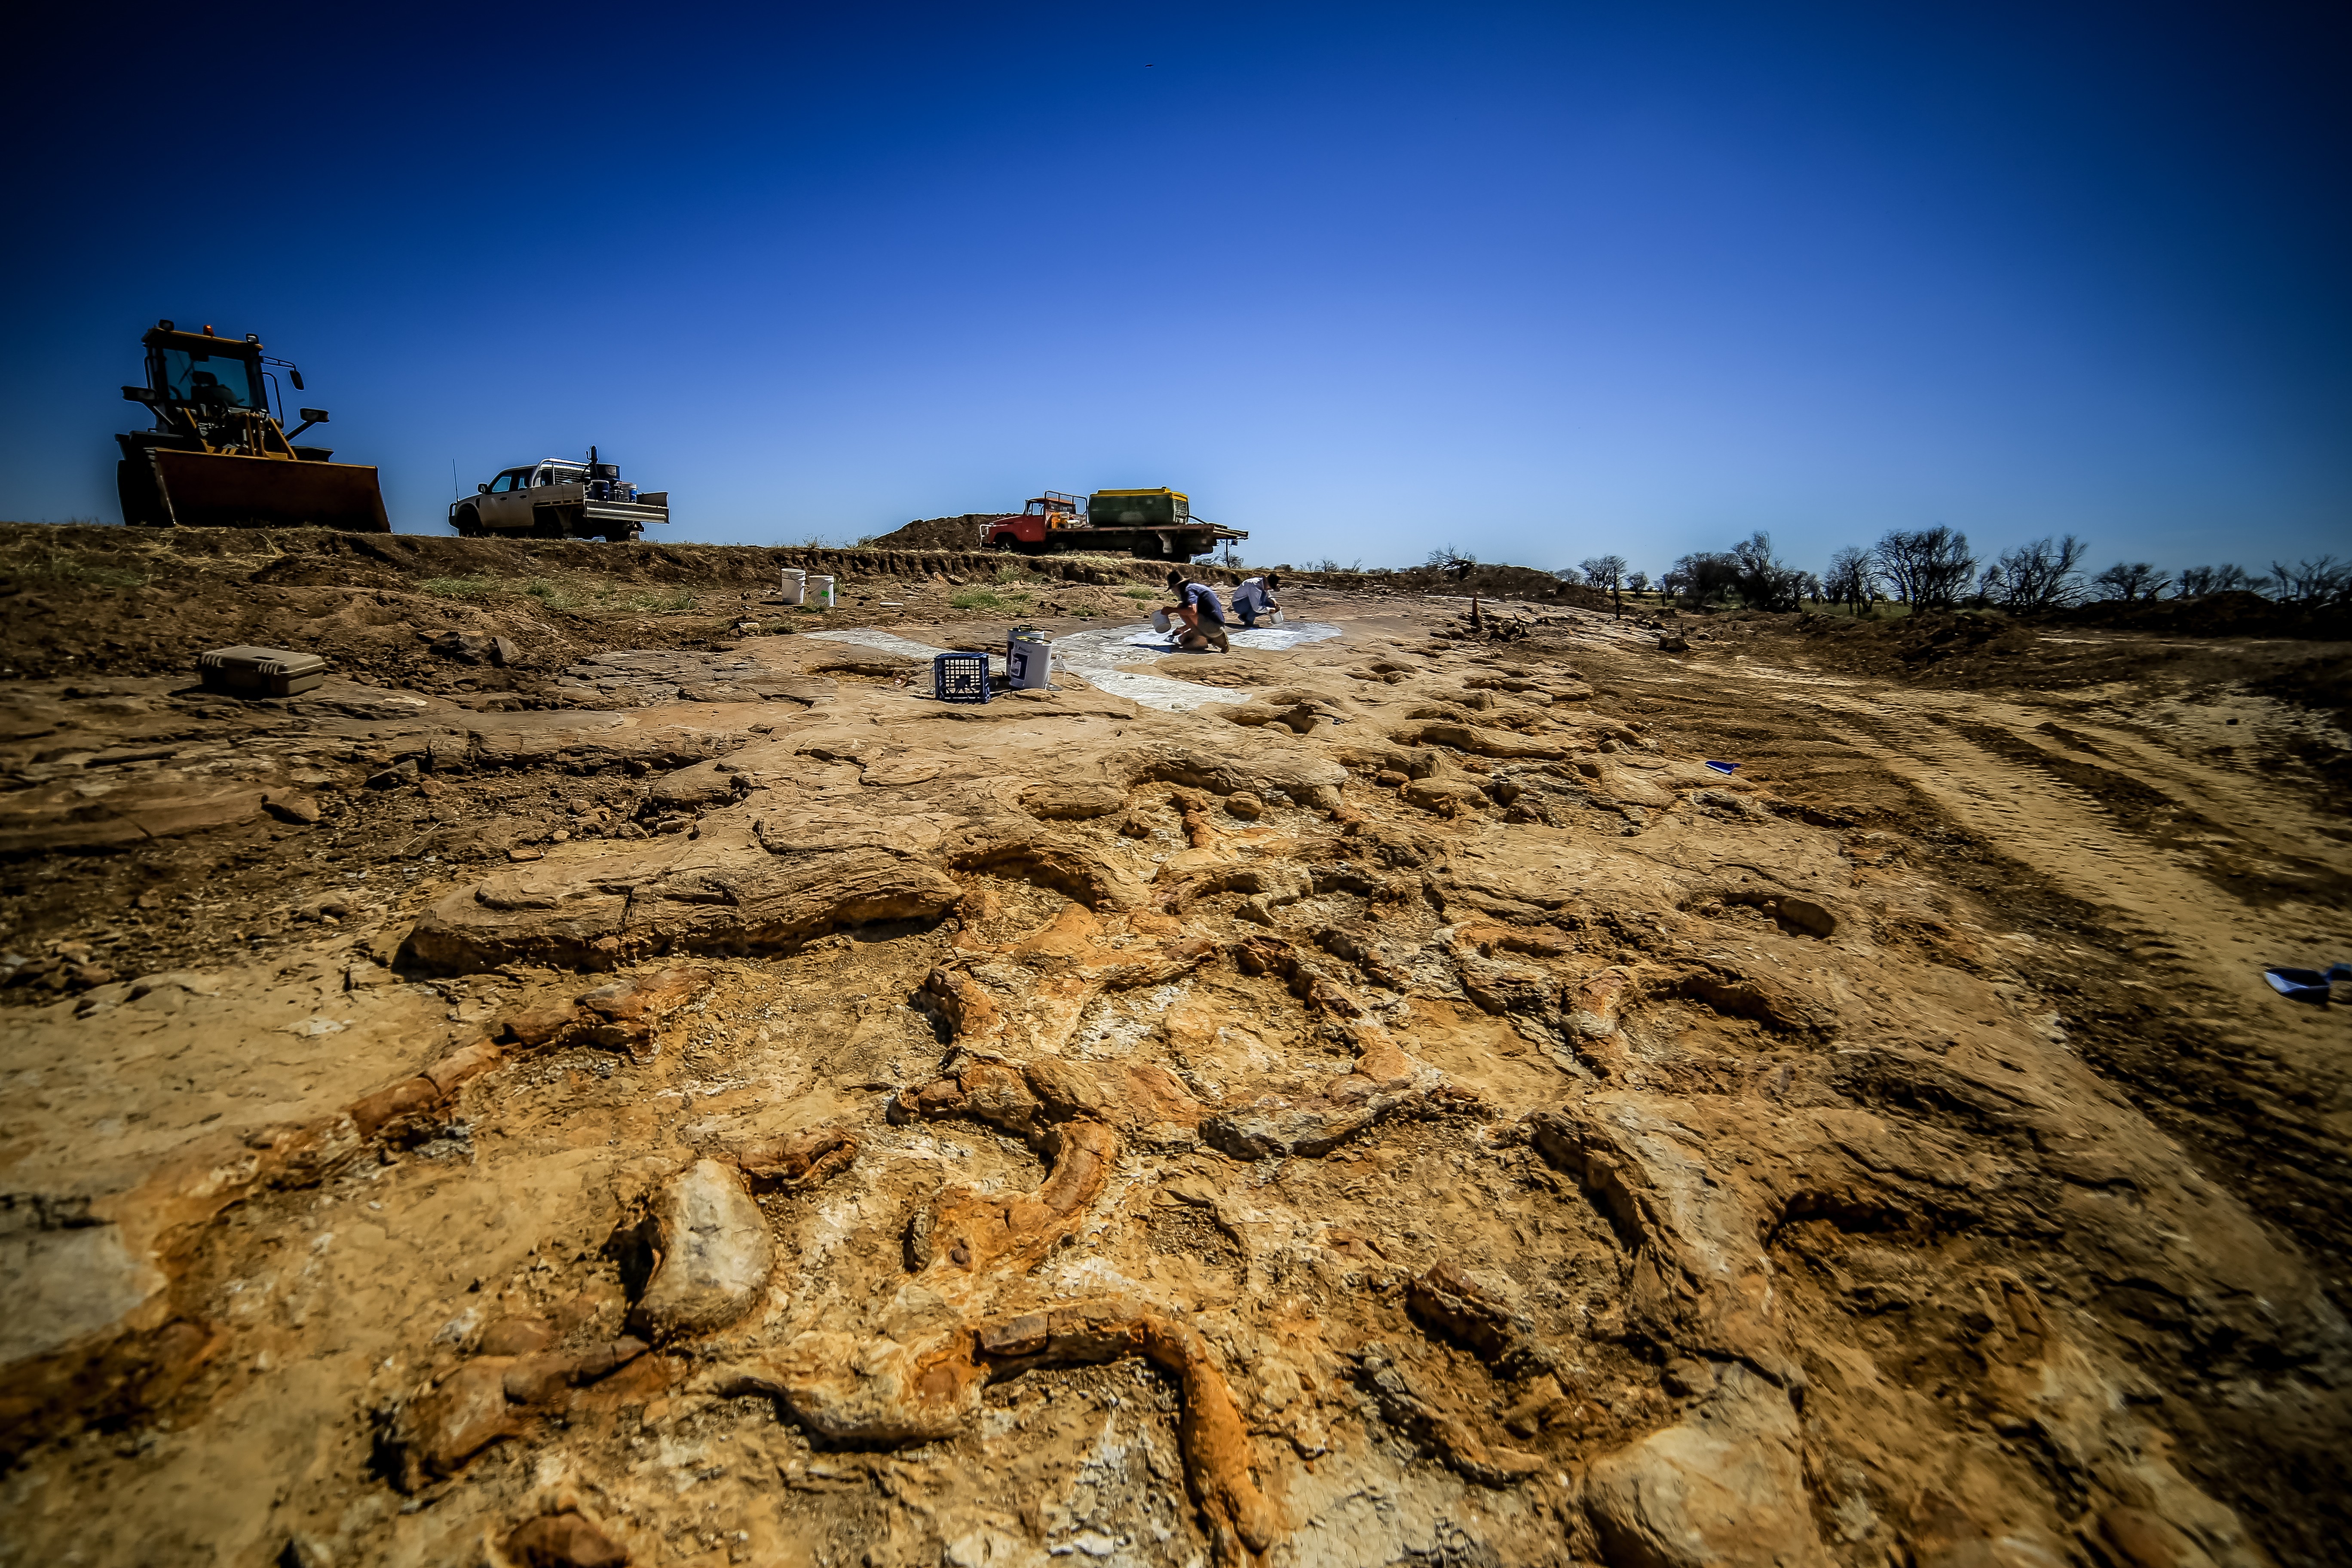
1935,569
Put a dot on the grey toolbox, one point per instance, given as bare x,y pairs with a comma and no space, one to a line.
261,671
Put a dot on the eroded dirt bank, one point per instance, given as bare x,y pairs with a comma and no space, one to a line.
1400,1107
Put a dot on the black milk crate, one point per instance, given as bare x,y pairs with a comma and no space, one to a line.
959,677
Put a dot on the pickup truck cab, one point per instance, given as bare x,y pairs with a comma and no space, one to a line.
560,498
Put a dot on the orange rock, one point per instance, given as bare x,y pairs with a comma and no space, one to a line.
465,1414
464,1063
801,1159
395,1101
534,1027
515,1336
564,1541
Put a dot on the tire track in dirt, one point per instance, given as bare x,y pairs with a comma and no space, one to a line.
1983,765
2174,1008
2158,883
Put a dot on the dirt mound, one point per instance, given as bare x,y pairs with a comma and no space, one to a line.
935,533
1964,646
148,601
1491,580
2230,615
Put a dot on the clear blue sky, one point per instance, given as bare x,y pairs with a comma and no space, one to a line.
1539,281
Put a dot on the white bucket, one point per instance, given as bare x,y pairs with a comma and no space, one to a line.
1275,618
795,589
820,592
1160,621
1028,660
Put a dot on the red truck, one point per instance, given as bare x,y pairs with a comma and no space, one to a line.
1151,525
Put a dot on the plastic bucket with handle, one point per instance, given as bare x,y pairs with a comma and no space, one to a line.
1028,659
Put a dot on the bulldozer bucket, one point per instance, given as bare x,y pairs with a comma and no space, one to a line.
213,489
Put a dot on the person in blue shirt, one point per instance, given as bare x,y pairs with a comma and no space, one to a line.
1204,616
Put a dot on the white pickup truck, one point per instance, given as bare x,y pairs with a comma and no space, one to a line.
557,498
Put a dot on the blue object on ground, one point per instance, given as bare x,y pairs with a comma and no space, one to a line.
2298,984
1722,767
959,677
2339,972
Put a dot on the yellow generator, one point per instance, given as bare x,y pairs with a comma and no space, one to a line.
219,457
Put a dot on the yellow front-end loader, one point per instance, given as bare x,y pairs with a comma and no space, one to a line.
218,457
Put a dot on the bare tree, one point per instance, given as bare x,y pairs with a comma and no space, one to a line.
2042,575
1702,576
1931,567
2315,583
1569,575
1639,581
2198,581
1447,556
1763,583
2132,581
1853,579
1607,573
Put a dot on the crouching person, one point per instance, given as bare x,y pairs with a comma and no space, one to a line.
1254,597
1202,616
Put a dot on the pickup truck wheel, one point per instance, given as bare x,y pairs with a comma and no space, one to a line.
627,534
469,524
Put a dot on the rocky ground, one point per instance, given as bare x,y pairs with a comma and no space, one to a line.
619,1074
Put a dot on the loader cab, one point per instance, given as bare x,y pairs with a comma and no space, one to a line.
216,376
210,391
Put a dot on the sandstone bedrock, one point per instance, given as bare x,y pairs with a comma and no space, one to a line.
1400,1107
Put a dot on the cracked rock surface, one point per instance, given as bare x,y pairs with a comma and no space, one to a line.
1414,1112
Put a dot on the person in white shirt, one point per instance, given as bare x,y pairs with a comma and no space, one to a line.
1254,597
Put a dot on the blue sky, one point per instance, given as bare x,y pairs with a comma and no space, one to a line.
1542,282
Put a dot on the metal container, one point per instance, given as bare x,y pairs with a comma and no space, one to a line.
261,671
1028,659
